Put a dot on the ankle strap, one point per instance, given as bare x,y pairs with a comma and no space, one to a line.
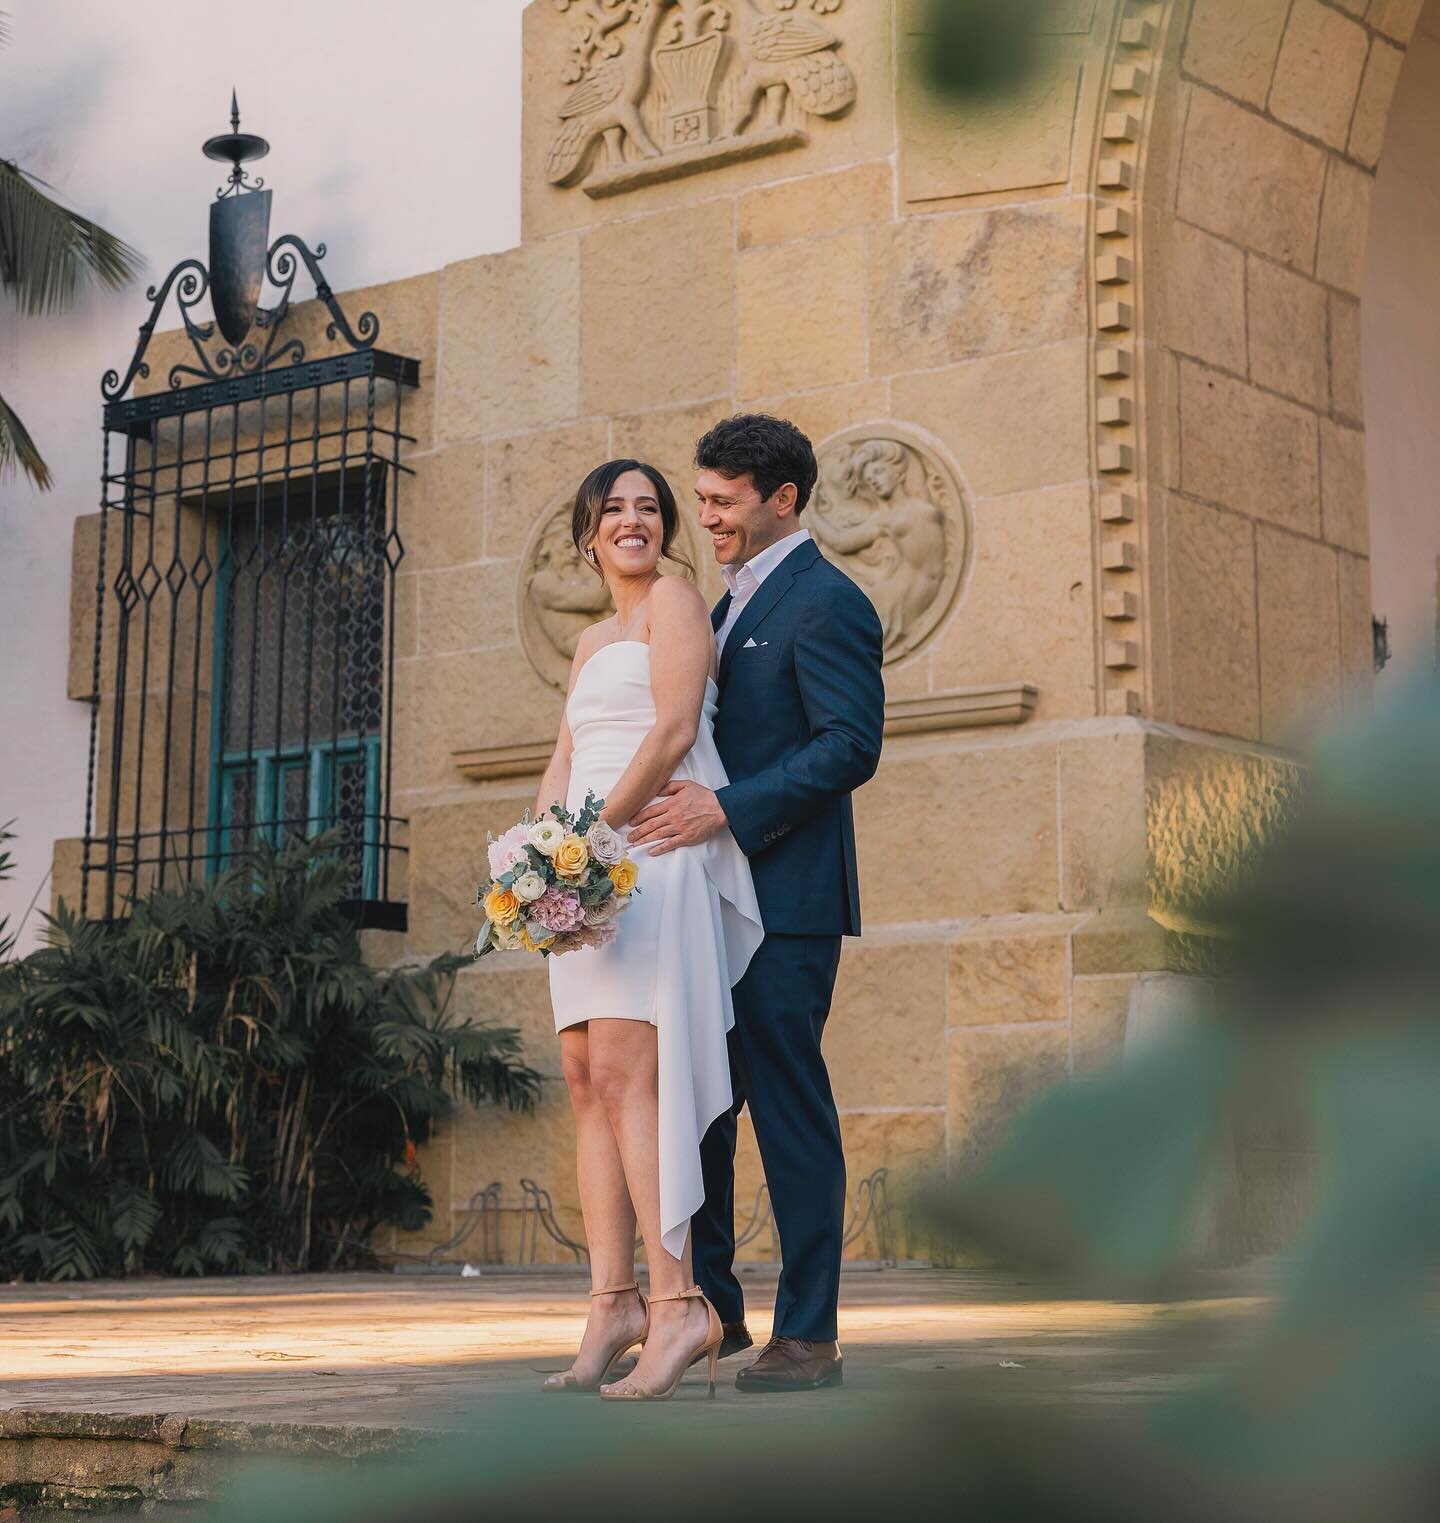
693,1294
616,1290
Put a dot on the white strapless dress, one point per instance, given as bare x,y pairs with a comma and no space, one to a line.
685,940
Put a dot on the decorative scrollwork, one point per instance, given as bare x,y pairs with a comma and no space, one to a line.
190,281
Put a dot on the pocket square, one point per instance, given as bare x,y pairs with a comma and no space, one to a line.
751,645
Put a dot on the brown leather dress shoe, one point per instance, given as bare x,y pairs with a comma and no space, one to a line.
793,1364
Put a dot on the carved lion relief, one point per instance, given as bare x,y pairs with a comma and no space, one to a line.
559,594
663,88
890,513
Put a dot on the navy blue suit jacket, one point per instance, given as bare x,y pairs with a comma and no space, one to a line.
801,714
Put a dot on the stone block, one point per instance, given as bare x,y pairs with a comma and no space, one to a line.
1117,941
910,1144
658,309
1344,227
1102,821
1013,422
456,702
949,288
513,990
525,475
1357,639
447,861
1299,631
1344,499
1014,139
885,1039
1250,180
1396,18
992,815
1289,333
1028,608
1199,287
494,1144
1372,110
471,608
1317,77
1214,649
405,609
510,329
800,315
819,414
1249,450
145,801
1099,1007
1008,980
442,510
1347,396
66,873
993,1074
408,311
817,204
84,564
1233,45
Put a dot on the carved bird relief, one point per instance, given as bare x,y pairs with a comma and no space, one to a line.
606,105
789,54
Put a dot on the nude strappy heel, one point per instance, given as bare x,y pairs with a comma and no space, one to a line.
714,1337
566,1381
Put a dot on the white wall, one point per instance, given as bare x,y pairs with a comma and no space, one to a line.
1400,345
395,139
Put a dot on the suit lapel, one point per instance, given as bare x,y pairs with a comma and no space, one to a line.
717,614
771,590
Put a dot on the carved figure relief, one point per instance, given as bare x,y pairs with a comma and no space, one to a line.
560,595
663,88
890,513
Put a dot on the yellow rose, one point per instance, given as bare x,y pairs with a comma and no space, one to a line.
529,944
571,858
501,906
623,876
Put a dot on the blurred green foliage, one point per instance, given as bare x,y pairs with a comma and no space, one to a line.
218,1082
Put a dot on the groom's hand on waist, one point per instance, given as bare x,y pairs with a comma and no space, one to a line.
685,814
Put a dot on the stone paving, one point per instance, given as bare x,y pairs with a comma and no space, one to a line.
389,1351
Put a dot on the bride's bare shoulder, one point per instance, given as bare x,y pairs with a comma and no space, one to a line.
676,599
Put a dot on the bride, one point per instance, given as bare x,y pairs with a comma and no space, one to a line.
643,1021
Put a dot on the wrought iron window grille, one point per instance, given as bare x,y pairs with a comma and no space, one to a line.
245,592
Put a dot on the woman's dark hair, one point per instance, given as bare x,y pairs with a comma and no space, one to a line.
772,450
597,489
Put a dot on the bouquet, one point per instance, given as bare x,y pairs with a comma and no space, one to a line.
556,884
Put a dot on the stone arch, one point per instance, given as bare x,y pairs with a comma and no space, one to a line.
1255,182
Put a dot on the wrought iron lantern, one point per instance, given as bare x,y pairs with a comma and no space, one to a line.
249,539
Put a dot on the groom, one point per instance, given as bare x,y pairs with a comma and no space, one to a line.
801,712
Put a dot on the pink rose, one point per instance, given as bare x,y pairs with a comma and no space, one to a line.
558,910
509,851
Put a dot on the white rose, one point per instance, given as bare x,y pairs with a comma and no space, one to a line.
528,887
546,836
506,937
605,846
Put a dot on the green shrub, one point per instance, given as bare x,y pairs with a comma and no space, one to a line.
220,1083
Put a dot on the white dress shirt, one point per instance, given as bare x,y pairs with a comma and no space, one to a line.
744,581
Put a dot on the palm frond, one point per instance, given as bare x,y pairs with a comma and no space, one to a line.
18,448
48,253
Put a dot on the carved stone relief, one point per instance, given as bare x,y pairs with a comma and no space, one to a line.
664,88
560,595
890,513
